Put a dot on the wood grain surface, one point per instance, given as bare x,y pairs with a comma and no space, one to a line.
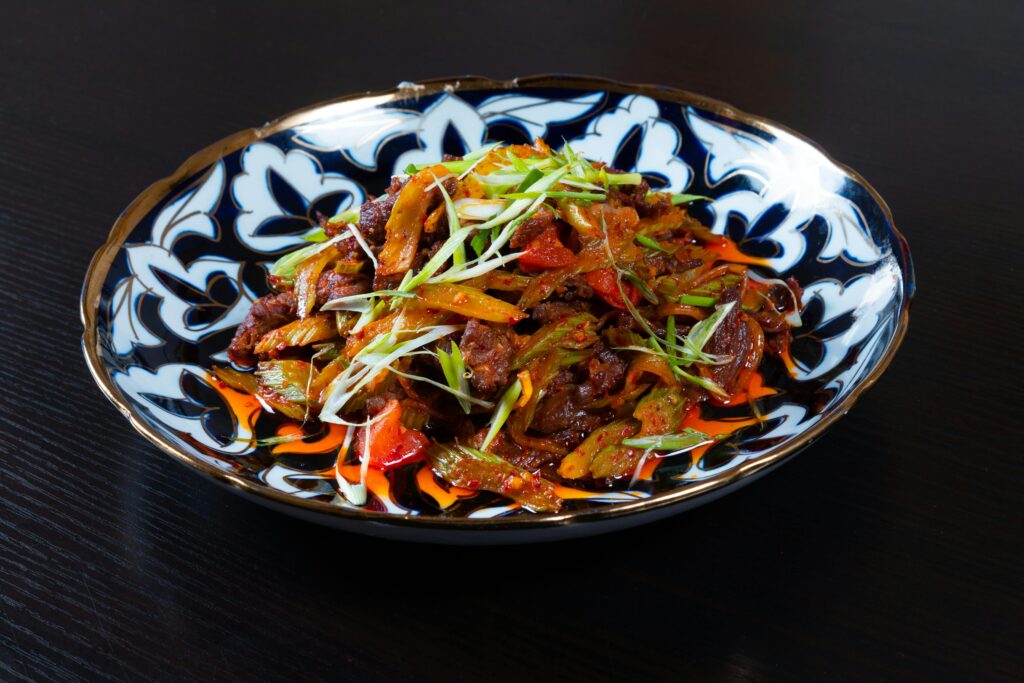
890,550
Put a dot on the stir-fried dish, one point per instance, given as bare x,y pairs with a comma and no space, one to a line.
523,321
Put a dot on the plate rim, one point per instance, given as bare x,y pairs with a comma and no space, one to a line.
99,267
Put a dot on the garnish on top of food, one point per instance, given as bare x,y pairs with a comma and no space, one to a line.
524,321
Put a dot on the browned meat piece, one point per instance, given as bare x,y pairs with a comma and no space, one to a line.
532,228
374,215
605,373
631,195
733,339
678,262
771,321
332,285
551,311
574,289
561,414
380,398
487,352
636,196
425,253
502,445
266,314
331,229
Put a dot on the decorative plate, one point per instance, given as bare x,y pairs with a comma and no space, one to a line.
186,259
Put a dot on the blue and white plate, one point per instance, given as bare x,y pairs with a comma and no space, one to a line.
186,259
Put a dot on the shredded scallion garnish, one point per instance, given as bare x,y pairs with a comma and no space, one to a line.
687,439
501,413
454,369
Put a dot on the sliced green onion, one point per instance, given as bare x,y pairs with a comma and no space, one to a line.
349,216
700,381
703,330
677,199
368,316
518,206
474,452
473,209
501,413
582,183
459,165
590,196
290,262
533,176
688,438
362,302
476,268
640,285
276,440
480,241
462,397
623,178
694,300
317,235
480,152
375,356
670,330
651,244
454,369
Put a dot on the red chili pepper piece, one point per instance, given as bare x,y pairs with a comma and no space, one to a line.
546,251
604,284
392,444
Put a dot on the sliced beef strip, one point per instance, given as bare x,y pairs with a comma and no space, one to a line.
733,339
332,285
574,289
562,415
374,214
551,311
532,228
266,314
425,253
487,352
502,445
605,372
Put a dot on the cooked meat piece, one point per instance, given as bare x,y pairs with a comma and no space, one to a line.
550,311
678,262
636,196
487,352
425,253
605,373
733,339
331,229
532,228
631,195
332,285
503,445
574,289
374,215
380,398
266,314
561,414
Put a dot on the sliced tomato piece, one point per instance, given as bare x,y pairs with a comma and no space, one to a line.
392,444
604,284
546,251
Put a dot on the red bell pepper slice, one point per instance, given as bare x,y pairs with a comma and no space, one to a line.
604,284
546,251
392,444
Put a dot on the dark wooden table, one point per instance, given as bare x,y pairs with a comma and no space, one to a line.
891,550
